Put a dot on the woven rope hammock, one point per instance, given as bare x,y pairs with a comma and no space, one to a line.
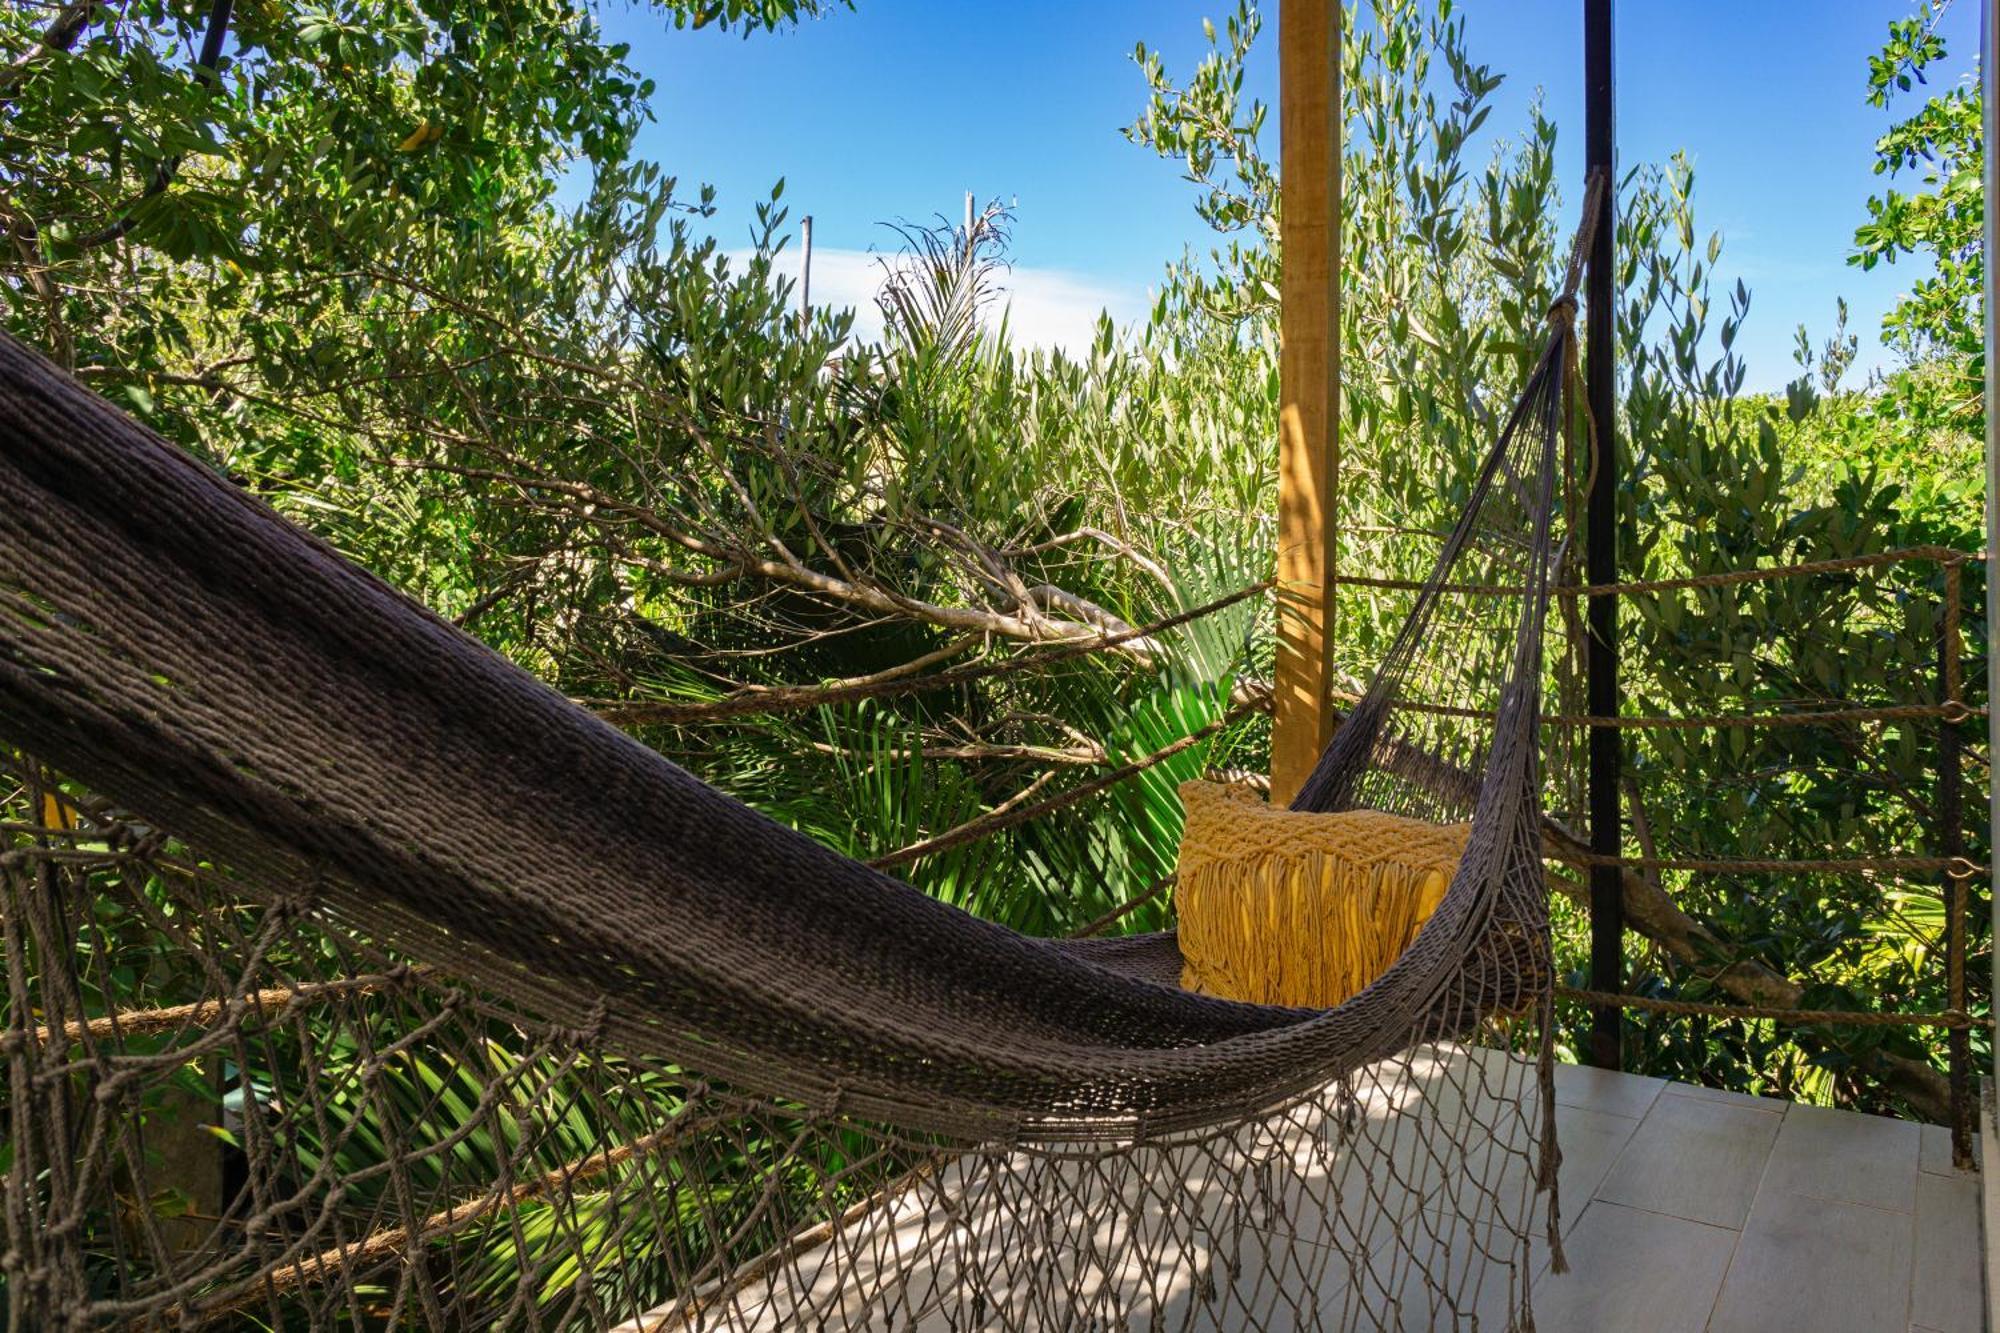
486,1015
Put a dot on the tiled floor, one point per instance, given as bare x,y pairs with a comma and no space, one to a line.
1732,1213
1684,1210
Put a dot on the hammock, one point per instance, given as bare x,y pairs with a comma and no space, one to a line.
496,1018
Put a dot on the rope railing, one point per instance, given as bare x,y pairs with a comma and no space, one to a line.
1864,1018
1751,865
1947,556
1955,871
1951,710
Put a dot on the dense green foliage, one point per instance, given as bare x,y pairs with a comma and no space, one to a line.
1940,222
337,266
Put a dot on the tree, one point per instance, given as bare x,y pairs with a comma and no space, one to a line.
595,440
1941,220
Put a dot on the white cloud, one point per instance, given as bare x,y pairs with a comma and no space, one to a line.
1048,307
1044,307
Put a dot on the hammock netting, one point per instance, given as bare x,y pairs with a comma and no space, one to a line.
470,1011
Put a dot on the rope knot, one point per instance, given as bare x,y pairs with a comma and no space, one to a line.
1562,312
301,897
830,1101
591,1035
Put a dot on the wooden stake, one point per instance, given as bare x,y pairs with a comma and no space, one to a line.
805,271
1309,385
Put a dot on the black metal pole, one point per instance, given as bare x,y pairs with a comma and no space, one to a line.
1607,905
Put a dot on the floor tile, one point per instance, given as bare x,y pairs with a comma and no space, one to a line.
1816,1264
1602,1090
1945,1292
1934,1153
1829,1154
1455,1135
1694,1158
1457,1275
1634,1272
1591,1142
1701,1092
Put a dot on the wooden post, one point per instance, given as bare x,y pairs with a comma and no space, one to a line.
1309,123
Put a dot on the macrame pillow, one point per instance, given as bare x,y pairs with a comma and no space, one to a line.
1279,907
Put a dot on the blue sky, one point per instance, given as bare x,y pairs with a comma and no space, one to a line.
896,109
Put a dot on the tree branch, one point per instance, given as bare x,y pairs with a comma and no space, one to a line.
58,37
204,69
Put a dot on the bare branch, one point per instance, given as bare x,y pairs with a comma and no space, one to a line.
632,712
1118,547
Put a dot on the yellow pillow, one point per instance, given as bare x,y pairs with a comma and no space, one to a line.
1278,907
